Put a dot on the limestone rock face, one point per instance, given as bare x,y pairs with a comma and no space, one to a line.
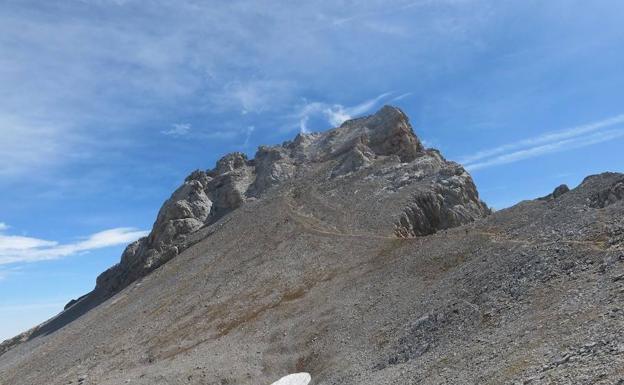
273,165
360,156
325,255
230,162
609,195
373,169
200,200
450,200
228,191
389,133
386,133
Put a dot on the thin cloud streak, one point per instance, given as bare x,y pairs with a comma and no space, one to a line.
335,114
71,85
401,97
19,249
544,139
250,131
30,306
178,129
563,145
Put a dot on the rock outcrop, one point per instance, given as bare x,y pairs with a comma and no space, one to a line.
204,197
324,255
374,168
557,192
446,196
608,195
449,201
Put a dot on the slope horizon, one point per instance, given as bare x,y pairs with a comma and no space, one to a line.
352,256
125,236
109,104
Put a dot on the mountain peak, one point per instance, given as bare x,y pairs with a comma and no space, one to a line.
373,169
348,256
379,150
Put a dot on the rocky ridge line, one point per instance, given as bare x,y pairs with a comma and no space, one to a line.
206,196
444,193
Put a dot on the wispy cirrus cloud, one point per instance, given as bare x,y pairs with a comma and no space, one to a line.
335,114
18,316
178,129
253,96
563,140
76,85
22,249
45,305
401,96
29,143
250,131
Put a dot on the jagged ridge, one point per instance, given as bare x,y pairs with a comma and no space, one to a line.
409,191
309,274
448,201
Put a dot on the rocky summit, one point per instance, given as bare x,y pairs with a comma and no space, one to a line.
358,256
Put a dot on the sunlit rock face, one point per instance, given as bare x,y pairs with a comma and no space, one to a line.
355,255
271,265
381,151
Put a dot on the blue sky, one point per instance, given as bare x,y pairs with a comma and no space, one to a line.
108,104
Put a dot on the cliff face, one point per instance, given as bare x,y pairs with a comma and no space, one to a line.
381,148
374,169
360,257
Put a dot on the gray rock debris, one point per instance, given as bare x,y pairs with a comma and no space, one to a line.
446,195
608,196
560,190
557,192
309,277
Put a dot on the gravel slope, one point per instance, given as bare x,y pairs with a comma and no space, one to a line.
313,277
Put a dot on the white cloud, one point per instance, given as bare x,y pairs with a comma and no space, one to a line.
3,226
428,143
365,106
303,124
66,77
30,143
178,129
16,242
550,137
253,96
7,271
19,249
335,114
250,131
543,149
402,96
